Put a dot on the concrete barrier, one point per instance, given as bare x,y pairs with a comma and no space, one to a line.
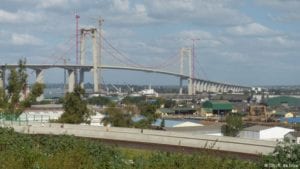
231,144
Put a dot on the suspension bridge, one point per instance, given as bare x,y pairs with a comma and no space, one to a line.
76,72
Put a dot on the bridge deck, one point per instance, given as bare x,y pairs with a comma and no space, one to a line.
89,67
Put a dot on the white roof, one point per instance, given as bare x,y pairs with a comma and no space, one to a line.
187,124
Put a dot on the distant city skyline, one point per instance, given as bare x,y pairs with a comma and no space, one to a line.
241,42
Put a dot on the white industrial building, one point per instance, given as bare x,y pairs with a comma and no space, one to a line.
176,123
214,130
264,133
293,137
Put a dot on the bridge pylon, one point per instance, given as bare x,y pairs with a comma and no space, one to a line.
187,52
96,57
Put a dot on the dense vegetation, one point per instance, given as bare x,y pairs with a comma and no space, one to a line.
117,117
100,101
64,152
285,155
121,116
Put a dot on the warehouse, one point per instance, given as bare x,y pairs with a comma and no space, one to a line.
264,133
219,108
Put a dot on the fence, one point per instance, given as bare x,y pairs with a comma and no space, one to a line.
24,118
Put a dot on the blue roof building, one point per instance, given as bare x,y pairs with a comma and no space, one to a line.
290,120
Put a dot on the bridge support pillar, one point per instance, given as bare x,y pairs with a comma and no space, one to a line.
204,85
81,78
190,86
212,86
71,80
222,88
208,86
201,86
39,75
230,89
219,88
234,90
194,87
180,86
2,78
198,86
215,88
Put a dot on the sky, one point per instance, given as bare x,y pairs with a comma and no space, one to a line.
242,42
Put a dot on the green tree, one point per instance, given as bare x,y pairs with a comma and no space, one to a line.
10,100
133,100
234,124
75,108
285,155
99,100
148,111
162,123
170,103
117,117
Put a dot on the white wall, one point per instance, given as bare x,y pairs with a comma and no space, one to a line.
249,134
274,133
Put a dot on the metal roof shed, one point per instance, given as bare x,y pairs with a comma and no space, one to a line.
217,107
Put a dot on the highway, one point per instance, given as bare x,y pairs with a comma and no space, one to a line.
154,137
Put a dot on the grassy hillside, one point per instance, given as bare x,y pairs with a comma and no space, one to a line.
64,152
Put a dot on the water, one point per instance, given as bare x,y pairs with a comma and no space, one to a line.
57,92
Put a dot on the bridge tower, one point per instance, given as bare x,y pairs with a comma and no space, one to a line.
97,45
96,58
186,52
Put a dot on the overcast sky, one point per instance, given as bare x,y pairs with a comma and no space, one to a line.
242,42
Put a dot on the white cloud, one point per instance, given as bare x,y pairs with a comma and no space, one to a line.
283,5
252,29
25,39
195,34
123,13
121,5
118,33
54,3
197,11
19,17
283,10
278,42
